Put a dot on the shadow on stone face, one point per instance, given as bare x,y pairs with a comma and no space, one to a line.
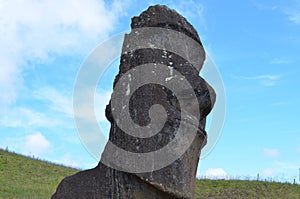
175,180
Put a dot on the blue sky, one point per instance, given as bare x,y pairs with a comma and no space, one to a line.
254,44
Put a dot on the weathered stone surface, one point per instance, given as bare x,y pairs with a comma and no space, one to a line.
176,180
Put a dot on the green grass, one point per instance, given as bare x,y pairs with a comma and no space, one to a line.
23,177
245,189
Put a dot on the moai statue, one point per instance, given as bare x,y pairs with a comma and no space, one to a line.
157,113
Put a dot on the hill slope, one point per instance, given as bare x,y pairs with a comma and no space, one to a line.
23,177
221,189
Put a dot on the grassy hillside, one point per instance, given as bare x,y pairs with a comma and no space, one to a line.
221,189
23,177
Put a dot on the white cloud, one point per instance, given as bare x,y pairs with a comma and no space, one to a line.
278,104
264,6
101,100
192,10
294,17
280,173
36,144
189,8
24,117
61,102
67,161
217,173
287,165
267,77
268,173
298,150
9,81
33,30
266,80
292,11
280,61
273,153
292,131
57,101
